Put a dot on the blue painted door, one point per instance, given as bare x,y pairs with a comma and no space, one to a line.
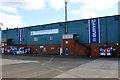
67,51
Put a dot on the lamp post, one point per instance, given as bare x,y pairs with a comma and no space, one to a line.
119,8
0,36
66,26
1,25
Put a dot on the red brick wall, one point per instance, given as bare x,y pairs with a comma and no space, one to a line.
95,49
35,49
51,49
116,47
75,48
118,51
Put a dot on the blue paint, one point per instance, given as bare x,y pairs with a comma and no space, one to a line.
80,27
94,31
21,34
67,51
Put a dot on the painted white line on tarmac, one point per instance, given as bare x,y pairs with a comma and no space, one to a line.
48,61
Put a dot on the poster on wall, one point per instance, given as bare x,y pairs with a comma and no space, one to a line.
94,30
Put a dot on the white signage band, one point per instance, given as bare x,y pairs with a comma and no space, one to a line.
43,32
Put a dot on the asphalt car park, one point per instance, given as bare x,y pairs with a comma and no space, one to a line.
20,66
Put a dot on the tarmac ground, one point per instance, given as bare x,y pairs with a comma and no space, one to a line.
20,66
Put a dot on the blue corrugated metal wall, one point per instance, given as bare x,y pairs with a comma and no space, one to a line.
110,32
10,34
80,28
119,29
45,39
109,29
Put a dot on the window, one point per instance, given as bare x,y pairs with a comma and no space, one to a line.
68,36
35,38
51,38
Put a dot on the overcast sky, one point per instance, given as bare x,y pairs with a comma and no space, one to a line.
23,13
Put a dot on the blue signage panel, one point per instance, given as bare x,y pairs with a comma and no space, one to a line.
94,31
20,32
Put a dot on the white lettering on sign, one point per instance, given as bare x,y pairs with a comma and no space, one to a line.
43,32
20,36
94,39
94,29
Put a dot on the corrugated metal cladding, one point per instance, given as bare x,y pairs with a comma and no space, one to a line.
109,32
